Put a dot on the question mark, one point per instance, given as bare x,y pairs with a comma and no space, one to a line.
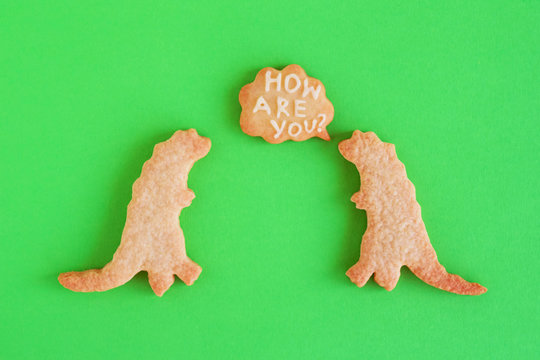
323,120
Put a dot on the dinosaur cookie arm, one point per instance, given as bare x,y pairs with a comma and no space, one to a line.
359,199
185,197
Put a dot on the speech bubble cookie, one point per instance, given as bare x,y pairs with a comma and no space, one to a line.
285,105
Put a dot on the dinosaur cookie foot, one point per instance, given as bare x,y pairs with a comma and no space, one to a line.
161,281
385,277
188,272
359,274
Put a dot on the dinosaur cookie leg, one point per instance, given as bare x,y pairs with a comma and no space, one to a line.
188,271
360,273
161,273
152,240
388,277
160,281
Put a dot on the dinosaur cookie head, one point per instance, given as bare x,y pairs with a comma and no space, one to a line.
285,105
361,147
189,142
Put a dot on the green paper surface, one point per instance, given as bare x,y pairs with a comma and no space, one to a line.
88,87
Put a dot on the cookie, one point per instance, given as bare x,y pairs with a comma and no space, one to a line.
285,105
395,235
152,239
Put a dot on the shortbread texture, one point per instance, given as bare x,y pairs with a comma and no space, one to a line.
395,234
152,239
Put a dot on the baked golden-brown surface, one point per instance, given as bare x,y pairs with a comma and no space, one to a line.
152,239
395,235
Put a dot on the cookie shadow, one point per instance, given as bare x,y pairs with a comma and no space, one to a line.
233,90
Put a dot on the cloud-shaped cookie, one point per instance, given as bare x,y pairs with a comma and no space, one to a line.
285,105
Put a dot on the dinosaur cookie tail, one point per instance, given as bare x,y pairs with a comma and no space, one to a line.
436,275
111,276
115,274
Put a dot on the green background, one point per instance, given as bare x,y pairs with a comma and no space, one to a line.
88,88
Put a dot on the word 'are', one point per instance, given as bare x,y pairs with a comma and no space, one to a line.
291,85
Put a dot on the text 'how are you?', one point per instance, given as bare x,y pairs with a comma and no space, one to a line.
285,105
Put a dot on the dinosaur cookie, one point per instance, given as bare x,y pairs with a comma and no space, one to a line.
152,239
285,105
396,234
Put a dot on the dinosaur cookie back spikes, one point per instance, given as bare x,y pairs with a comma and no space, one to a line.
396,234
152,239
